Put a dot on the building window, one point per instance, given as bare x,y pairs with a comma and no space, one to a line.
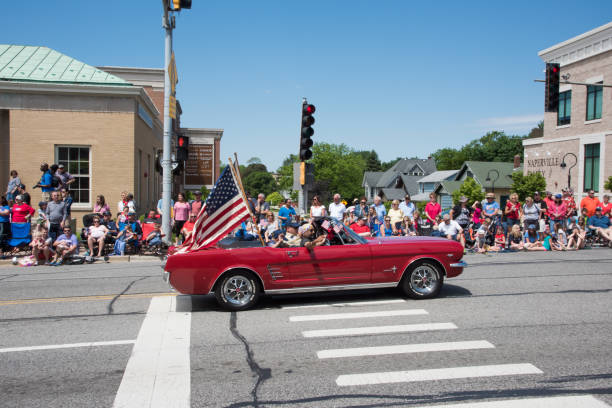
564,112
594,99
591,167
76,161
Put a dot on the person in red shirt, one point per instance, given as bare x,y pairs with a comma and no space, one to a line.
557,212
187,229
513,211
548,200
361,228
568,198
432,209
606,206
590,202
21,212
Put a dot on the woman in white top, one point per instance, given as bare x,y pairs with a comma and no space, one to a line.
97,233
316,209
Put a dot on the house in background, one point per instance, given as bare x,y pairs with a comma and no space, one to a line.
493,177
399,180
428,184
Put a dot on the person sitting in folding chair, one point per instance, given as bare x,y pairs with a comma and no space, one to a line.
97,235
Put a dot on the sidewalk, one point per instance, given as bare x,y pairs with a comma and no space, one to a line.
111,259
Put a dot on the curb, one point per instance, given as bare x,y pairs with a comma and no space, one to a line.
112,259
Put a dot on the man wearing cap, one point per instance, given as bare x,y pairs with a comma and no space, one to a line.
407,207
557,210
64,177
291,237
451,229
590,202
110,225
308,240
360,227
196,205
490,208
134,224
600,224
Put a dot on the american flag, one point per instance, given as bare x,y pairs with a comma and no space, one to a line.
224,210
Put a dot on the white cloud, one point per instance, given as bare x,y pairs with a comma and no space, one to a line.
511,121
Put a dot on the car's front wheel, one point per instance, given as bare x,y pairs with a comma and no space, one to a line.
423,280
238,290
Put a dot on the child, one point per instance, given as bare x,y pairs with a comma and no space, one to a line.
42,217
124,237
41,243
561,236
123,215
500,240
155,237
515,238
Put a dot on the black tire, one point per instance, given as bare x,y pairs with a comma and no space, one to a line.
238,290
422,280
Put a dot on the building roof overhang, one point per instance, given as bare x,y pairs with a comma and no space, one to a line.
586,45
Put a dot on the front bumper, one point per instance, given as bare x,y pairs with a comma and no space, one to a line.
460,264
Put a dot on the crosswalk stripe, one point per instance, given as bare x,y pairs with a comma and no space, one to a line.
582,401
404,349
347,304
70,345
357,315
356,331
436,374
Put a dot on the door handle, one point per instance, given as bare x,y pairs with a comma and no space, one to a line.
292,253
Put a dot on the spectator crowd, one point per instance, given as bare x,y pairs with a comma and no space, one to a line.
45,234
544,222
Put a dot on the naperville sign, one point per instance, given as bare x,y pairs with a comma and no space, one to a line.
537,165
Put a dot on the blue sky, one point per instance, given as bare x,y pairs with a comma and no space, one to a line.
401,77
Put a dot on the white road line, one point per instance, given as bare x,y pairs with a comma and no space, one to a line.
63,346
356,331
358,315
582,401
404,349
158,372
436,374
364,303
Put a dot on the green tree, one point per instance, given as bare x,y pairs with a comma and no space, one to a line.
259,182
371,159
525,186
494,146
254,160
471,189
285,171
341,167
384,166
274,198
252,168
608,184
537,131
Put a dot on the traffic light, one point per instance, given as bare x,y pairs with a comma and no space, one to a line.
551,99
182,148
306,131
181,4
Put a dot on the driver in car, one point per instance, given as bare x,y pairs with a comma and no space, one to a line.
307,232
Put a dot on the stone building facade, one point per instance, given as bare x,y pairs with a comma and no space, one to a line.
577,140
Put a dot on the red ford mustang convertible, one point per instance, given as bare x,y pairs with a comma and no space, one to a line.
239,272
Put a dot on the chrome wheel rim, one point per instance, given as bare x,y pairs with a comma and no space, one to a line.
424,279
238,290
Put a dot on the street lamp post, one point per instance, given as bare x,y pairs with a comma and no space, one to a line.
494,180
167,140
569,171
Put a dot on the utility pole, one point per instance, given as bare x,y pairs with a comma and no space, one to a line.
168,25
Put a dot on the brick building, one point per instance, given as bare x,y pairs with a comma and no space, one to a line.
577,139
105,124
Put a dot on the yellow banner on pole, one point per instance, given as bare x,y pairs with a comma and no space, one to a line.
172,74
172,104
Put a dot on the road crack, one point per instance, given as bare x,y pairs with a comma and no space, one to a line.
112,302
262,373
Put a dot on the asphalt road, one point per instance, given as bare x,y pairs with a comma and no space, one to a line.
512,328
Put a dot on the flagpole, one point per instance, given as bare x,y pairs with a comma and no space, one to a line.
236,173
